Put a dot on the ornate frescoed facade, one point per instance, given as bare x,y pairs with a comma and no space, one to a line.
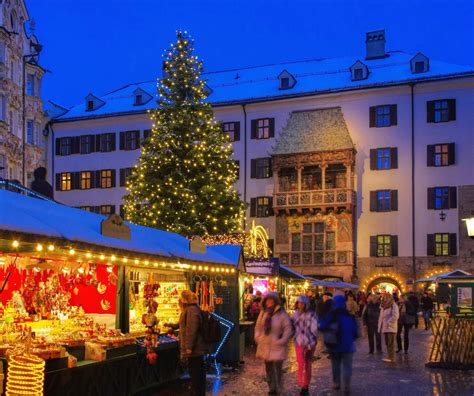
22,119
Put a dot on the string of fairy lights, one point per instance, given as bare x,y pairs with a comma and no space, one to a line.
89,257
183,181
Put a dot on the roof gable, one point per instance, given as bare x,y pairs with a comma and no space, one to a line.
359,71
420,63
93,102
287,80
141,97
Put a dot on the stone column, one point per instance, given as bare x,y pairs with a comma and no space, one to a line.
323,176
298,173
348,176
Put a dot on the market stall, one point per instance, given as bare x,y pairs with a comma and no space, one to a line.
86,287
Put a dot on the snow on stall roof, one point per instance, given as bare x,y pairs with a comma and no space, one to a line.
261,82
231,252
35,216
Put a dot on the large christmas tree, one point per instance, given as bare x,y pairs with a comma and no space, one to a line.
184,178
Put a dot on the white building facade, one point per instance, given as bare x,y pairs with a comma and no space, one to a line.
22,119
357,167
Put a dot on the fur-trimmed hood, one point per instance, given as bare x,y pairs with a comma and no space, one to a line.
188,297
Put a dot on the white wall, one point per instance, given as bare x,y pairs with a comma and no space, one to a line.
355,106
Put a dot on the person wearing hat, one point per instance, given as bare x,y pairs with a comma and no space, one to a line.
305,325
273,331
192,344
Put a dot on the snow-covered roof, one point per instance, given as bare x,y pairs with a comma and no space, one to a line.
261,83
35,216
314,130
443,275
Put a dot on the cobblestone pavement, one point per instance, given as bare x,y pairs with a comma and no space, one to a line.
408,376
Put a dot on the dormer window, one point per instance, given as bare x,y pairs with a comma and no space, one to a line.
93,102
419,67
287,81
359,71
419,63
141,97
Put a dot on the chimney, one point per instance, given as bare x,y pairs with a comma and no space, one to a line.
375,44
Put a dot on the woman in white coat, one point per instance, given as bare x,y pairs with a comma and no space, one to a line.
388,325
273,331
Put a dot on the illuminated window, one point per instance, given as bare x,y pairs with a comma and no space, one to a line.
384,246
86,178
66,181
441,244
106,178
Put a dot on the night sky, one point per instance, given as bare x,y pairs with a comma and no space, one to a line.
100,45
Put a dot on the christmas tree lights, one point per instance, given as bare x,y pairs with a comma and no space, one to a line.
184,178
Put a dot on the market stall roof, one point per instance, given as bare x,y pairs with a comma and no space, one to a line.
50,219
231,252
443,275
286,272
334,283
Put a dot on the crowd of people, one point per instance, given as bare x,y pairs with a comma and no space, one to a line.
386,316
332,318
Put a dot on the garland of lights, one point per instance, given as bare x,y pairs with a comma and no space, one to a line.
25,375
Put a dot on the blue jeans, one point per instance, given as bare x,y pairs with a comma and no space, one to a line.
427,315
344,360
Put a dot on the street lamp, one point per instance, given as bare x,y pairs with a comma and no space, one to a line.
470,226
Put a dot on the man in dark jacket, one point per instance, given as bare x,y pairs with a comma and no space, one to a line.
344,327
413,298
40,185
192,344
427,308
370,317
324,305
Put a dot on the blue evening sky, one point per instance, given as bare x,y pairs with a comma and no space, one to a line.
100,45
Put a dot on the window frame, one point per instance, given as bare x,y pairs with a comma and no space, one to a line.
262,209
230,129
442,197
85,182
441,246
384,248
384,200
383,113
384,157
440,110
30,84
30,133
65,146
263,168
104,176
86,144
131,140
66,181
106,141
358,73
441,158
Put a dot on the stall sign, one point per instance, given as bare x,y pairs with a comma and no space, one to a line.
464,296
269,266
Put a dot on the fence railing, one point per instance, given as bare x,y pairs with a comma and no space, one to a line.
332,197
453,343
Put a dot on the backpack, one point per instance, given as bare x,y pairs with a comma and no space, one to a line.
332,333
210,328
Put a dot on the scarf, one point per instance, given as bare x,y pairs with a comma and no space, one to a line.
267,325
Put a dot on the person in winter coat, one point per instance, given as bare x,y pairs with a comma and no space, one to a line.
273,331
343,327
192,344
323,306
388,325
305,325
416,305
370,317
255,307
405,321
427,308
351,305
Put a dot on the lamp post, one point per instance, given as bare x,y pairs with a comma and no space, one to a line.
470,226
